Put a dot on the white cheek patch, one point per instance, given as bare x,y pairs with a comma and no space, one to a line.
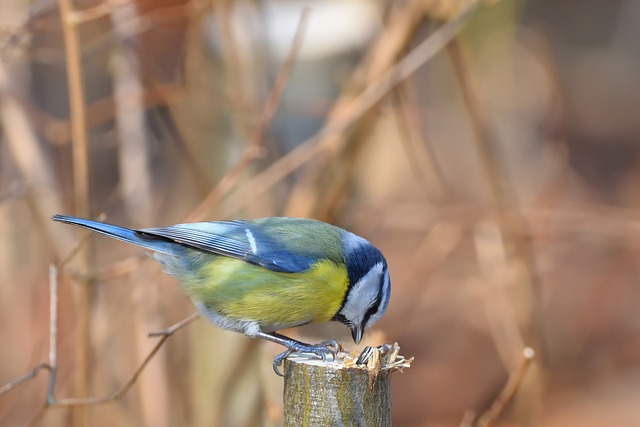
384,302
362,295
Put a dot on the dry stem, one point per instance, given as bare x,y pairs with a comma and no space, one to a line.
509,389
81,185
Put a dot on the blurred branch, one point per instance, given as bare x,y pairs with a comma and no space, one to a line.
101,10
499,273
33,165
509,389
404,21
80,153
431,253
58,131
323,183
329,139
468,419
420,155
510,220
253,149
138,195
237,66
232,383
41,19
489,417
16,190
119,268
543,221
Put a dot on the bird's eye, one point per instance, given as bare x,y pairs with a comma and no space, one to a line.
373,309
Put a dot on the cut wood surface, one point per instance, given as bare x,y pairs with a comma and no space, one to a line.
341,392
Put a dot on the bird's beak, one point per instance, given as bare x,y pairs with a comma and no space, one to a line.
356,333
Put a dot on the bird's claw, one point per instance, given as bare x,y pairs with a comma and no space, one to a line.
322,351
277,361
328,344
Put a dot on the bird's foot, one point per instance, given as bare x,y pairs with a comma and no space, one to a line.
326,350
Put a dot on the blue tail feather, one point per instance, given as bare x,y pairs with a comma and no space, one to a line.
153,243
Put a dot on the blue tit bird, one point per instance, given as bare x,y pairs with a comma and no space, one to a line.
260,276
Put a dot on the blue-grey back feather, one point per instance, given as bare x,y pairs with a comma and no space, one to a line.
236,239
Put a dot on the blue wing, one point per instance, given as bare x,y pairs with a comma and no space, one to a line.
236,239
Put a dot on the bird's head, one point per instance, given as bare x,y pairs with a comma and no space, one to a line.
369,289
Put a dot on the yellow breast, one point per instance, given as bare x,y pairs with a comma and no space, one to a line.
244,291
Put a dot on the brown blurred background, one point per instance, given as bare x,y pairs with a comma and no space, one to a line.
500,179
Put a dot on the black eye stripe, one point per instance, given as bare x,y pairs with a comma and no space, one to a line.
373,309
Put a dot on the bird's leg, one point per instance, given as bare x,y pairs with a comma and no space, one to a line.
322,350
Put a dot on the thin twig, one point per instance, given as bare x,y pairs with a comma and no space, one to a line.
509,389
29,375
253,149
53,350
77,108
53,332
51,401
117,394
172,329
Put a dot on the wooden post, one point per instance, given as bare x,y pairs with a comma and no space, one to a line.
341,392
